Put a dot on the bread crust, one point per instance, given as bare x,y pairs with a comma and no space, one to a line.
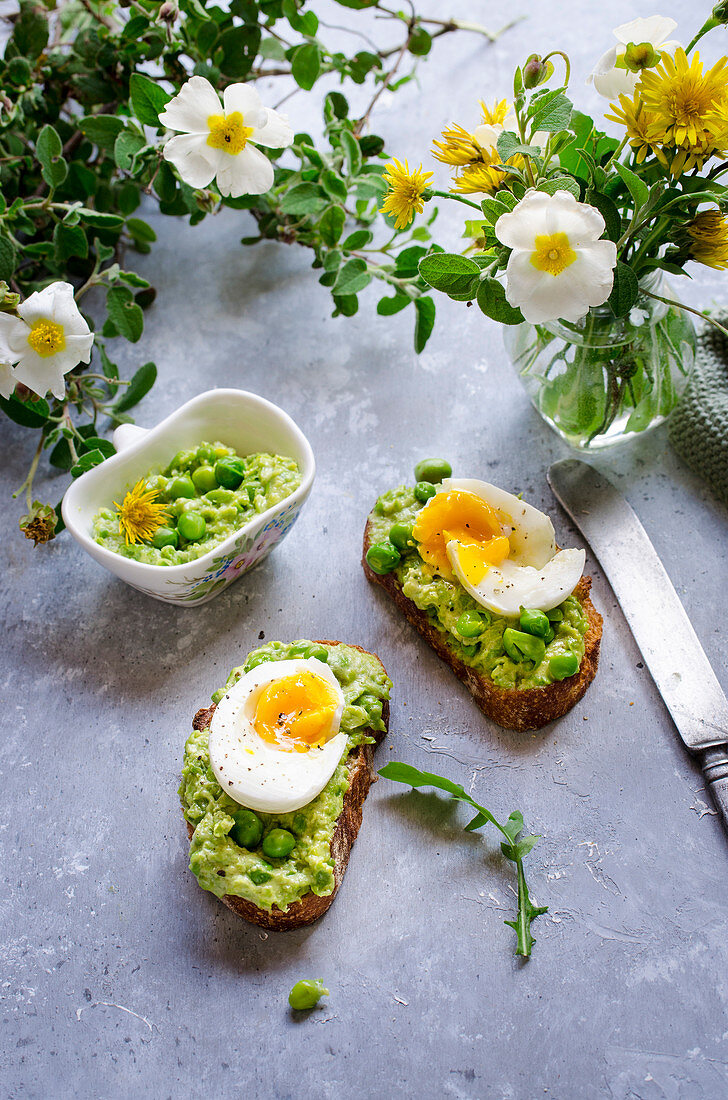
361,776
513,708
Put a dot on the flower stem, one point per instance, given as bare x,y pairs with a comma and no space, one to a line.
28,483
458,198
688,309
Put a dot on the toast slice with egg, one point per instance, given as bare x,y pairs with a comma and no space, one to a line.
518,709
361,776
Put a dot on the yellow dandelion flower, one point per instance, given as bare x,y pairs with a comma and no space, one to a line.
479,178
689,108
708,233
631,114
458,147
140,513
404,198
497,114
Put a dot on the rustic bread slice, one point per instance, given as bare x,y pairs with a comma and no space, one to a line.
527,709
361,776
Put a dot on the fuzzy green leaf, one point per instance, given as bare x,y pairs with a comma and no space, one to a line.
306,65
424,321
331,225
49,151
140,384
147,99
635,186
625,290
124,313
491,297
449,272
352,278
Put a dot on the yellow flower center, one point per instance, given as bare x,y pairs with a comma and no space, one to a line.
229,133
552,253
46,338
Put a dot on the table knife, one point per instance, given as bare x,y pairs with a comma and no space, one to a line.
656,617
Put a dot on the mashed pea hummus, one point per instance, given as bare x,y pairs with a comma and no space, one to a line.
444,602
190,486
219,864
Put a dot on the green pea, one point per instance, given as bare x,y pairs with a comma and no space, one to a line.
230,472
221,496
307,994
258,876
191,526
320,652
382,558
257,659
535,622
555,615
470,624
401,537
247,830
424,491
203,478
563,665
165,536
523,647
279,843
300,650
182,487
433,470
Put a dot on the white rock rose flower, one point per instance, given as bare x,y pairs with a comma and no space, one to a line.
610,75
47,339
219,142
559,268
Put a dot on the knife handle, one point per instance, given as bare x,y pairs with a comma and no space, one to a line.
715,770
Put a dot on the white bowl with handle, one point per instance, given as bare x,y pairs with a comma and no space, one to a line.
239,419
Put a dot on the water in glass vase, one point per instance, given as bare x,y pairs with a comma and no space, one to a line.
604,379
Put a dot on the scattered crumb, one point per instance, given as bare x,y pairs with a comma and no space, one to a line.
585,718
399,1000
631,704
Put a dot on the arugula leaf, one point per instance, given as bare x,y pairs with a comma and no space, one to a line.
515,847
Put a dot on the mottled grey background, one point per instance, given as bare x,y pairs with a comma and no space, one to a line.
121,978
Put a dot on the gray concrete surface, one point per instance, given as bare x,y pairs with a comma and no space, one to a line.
120,978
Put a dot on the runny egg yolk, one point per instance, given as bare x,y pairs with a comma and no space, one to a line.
458,514
296,712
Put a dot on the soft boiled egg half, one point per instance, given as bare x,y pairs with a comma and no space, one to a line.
501,549
275,738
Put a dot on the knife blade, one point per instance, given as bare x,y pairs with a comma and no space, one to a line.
656,617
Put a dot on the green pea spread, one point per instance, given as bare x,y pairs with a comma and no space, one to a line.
223,867
266,480
444,602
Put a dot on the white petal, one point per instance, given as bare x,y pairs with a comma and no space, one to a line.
249,173
192,157
244,98
526,220
487,134
79,349
41,374
8,380
653,29
190,109
13,337
277,132
615,83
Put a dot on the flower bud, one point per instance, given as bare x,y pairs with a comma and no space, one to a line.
168,12
720,12
536,71
40,523
640,55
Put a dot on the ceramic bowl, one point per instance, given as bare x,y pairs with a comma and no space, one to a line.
239,419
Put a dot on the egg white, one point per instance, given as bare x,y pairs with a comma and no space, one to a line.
535,574
255,772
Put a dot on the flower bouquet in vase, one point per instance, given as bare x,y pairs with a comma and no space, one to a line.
574,234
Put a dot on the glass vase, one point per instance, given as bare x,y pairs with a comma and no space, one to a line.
605,379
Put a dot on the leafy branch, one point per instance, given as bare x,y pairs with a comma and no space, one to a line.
515,847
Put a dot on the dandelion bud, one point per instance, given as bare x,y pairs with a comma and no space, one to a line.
168,12
40,523
536,71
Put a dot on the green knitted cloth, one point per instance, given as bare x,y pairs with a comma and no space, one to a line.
699,425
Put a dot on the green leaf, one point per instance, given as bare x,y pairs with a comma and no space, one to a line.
334,185
552,115
346,305
101,221
605,206
237,48
69,240
7,258
336,105
303,198
86,462
126,147
352,278
49,152
272,50
102,130
360,238
420,42
424,321
94,442
491,297
331,225
124,313
560,183
140,230
352,151
449,272
625,290
386,307
140,384
28,414
306,65
147,99
635,186
30,33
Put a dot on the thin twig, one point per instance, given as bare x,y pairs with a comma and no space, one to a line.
688,309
